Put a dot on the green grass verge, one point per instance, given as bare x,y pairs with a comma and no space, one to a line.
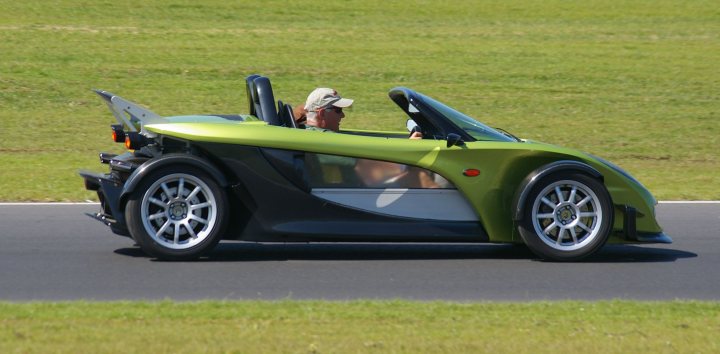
361,326
633,81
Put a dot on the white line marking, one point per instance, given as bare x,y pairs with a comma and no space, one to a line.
690,202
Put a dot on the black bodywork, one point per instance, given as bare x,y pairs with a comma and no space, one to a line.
270,197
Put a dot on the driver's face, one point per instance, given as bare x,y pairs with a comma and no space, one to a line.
332,117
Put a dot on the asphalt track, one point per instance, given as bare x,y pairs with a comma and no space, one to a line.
54,252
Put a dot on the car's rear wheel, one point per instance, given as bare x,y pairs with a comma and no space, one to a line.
177,213
568,216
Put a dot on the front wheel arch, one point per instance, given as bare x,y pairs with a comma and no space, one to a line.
523,190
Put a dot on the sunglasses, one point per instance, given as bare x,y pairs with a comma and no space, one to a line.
337,110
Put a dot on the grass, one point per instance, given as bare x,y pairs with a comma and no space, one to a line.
633,81
360,326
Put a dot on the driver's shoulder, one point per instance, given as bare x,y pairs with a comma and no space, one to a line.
310,127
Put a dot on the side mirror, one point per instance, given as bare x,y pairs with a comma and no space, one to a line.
411,125
454,140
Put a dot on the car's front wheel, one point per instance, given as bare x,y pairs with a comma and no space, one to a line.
177,213
568,216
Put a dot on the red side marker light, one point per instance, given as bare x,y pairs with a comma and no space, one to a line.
471,172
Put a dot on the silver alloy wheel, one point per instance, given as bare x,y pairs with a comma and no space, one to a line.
567,215
179,211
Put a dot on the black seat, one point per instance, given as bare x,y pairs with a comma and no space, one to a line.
287,118
261,100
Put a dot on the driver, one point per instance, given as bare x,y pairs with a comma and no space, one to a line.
323,111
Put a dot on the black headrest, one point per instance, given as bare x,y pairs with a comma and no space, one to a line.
250,89
261,99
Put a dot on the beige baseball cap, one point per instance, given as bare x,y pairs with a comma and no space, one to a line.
324,97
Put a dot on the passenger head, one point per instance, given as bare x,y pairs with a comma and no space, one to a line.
300,114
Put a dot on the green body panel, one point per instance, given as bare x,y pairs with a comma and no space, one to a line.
503,165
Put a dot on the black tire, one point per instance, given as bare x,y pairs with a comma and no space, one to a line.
562,233
204,214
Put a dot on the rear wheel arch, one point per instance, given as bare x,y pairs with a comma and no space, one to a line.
178,159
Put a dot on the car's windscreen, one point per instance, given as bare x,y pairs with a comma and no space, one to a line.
476,129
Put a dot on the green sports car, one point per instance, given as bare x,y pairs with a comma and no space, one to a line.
190,181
